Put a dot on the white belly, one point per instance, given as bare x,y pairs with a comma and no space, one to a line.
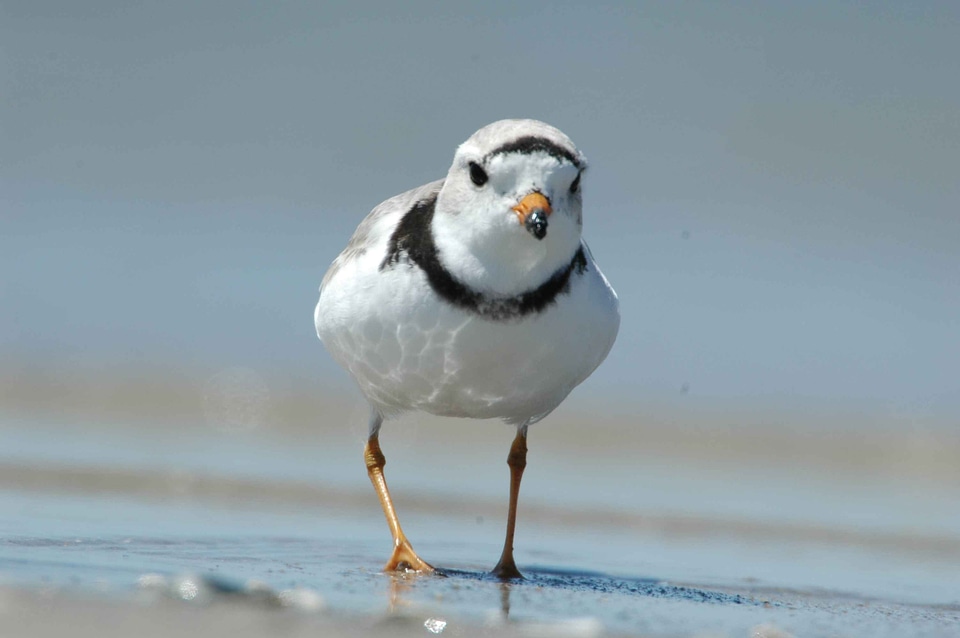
408,350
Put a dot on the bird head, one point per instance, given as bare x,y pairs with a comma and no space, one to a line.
509,213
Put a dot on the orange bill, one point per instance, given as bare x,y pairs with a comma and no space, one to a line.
533,201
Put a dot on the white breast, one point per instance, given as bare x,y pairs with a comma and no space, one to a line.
408,350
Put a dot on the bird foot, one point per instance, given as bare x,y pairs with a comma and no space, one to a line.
404,559
506,570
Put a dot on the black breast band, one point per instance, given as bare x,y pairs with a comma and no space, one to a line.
413,237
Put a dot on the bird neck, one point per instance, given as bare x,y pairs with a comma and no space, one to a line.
497,255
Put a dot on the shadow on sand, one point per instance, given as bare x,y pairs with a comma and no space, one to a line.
548,580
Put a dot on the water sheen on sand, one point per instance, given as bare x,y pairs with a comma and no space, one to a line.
206,529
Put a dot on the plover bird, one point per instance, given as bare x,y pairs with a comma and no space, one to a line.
472,296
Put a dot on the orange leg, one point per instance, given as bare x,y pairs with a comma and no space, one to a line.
403,557
517,460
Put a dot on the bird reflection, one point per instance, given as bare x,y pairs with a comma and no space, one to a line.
505,600
400,587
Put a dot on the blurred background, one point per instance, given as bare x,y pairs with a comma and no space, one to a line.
773,191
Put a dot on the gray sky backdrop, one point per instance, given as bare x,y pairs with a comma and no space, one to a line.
774,187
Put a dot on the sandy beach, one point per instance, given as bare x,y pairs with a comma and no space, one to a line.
770,449
166,525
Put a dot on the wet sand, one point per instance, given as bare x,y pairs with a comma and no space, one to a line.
121,524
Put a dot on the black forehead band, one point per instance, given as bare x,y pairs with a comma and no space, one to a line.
533,144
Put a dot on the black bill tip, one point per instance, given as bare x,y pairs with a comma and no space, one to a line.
536,223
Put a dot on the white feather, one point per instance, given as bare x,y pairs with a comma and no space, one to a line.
408,349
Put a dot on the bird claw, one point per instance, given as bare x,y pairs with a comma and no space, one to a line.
404,559
506,571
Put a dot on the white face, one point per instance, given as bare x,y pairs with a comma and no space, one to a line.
487,189
513,176
478,225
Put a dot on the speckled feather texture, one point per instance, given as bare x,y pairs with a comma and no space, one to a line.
411,344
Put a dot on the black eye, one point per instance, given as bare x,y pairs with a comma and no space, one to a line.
575,186
477,175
